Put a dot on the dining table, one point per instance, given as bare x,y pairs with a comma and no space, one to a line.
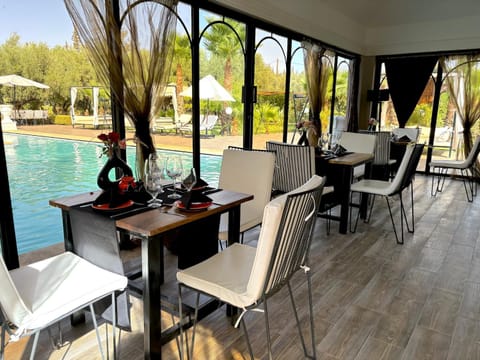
150,226
339,172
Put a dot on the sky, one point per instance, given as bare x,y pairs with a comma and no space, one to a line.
47,21
35,21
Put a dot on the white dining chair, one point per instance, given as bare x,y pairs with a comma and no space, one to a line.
387,189
382,163
38,295
464,166
245,277
249,172
360,143
294,165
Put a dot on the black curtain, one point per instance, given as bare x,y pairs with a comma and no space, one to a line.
353,83
407,78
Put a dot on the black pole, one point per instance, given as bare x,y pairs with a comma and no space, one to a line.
249,92
196,89
115,57
8,240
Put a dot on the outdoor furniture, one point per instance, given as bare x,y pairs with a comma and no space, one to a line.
40,294
465,166
249,172
246,277
207,123
387,189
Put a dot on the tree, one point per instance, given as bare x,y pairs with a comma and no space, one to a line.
182,59
223,42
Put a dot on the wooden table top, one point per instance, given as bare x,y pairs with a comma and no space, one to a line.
353,159
149,223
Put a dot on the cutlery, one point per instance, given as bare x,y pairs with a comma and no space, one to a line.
211,191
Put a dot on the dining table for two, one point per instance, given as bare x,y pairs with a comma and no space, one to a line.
151,226
339,172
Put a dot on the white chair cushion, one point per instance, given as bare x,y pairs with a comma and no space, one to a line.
249,172
381,187
53,288
244,268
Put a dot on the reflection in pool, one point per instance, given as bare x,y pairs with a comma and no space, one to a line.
41,168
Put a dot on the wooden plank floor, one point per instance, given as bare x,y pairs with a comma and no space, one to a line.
373,299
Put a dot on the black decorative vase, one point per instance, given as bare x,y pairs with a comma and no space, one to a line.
114,162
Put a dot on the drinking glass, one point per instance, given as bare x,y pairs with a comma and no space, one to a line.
190,180
174,170
324,140
153,178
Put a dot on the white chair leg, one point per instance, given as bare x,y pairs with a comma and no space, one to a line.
94,319
267,327
2,341
34,346
182,347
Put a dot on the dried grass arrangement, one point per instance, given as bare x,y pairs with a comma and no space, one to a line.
130,44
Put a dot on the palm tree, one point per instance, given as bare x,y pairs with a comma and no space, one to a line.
182,58
223,41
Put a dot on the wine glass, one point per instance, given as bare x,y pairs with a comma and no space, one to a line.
153,178
190,181
174,170
324,140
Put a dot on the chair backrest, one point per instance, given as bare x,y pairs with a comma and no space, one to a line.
357,142
382,146
208,122
412,166
294,165
284,241
249,172
412,133
95,240
396,183
12,305
185,119
473,154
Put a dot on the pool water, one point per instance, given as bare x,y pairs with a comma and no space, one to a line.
41,169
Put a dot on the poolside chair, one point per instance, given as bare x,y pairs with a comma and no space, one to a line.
387,189
246,277
207,123
40,294
465,166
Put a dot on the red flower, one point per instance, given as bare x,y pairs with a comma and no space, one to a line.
103,137
111,142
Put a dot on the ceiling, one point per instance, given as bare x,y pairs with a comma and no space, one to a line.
375,27
380,13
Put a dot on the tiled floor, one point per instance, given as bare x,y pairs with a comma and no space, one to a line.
373,299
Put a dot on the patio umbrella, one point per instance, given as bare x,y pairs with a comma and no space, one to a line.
210,89
17,80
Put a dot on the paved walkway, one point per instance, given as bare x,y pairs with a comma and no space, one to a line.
214,145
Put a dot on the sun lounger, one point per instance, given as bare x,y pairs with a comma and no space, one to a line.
207,123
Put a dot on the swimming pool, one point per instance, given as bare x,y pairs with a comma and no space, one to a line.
42,168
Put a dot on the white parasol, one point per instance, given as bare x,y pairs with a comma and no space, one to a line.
17,80
210,89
